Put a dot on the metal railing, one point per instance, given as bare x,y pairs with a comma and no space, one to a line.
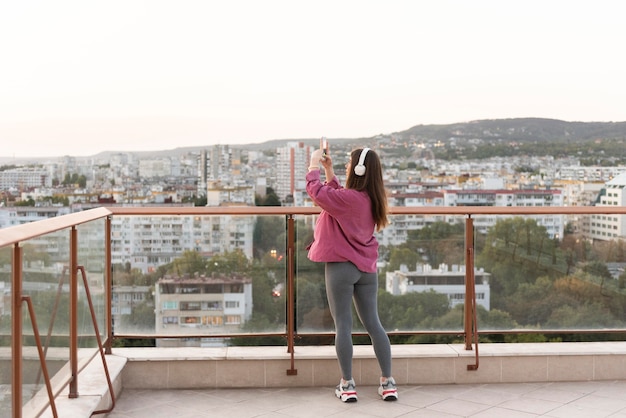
16,237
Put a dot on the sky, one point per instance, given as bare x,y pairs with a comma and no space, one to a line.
81,77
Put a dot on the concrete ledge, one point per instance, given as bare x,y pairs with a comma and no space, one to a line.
93,390
271,367
184,368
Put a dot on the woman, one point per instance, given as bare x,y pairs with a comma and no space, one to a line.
344,240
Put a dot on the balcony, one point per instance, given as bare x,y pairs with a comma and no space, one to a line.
68,363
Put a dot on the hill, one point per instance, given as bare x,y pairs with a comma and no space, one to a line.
522,130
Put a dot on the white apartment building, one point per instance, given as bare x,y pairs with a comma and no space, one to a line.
554,224
609,227
219,194
397,232
591,173
201,305
18,215
24,178
159,167
579,193
444,280
147,242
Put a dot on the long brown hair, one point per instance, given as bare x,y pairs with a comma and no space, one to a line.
372,183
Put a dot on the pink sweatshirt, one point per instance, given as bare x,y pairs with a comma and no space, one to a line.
345,228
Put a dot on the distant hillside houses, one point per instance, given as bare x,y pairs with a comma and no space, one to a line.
224,175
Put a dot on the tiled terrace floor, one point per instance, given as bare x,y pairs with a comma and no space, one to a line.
563,399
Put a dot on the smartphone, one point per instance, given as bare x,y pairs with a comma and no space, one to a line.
324,146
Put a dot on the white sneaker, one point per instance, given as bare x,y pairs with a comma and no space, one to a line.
388,390
346,392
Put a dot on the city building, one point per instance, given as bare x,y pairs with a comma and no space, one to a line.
397,232
292,162
218,194
18,215
589,173
554,224
159,168
125,298
608,227
444,280
147,242
201,305
219,164
23,178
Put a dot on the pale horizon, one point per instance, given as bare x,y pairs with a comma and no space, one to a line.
80,78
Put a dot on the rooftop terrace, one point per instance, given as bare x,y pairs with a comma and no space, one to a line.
467,378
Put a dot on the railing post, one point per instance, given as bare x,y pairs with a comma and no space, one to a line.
471,314
108,287
16,333
291,305
468,324
74,312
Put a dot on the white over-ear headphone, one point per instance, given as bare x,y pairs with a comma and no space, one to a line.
359,170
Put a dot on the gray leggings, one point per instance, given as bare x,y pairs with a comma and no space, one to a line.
343,282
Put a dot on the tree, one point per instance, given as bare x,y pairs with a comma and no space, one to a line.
622,280
495,319
140,319
518,251
229,263
411,311
402,256
441,242
28,202
311,297
189,262
270,199
268,235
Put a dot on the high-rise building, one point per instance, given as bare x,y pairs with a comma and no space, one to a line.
218,164
292,162
202,173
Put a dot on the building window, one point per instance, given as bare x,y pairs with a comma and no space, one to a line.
213,289
214,321
233,319
211,306
190,306
170,320
232,304
233,288
190,320
170,305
